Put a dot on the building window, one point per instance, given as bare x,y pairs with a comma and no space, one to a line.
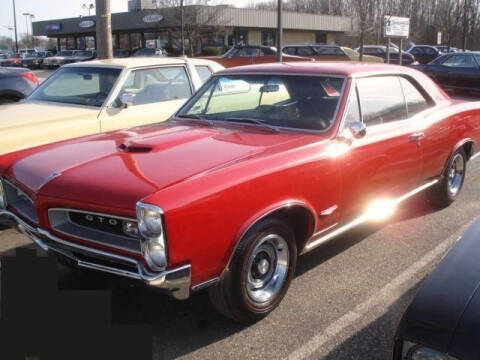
321,38
268,38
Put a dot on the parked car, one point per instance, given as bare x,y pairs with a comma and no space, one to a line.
104,95
458,72
250,54
35,60
381,51
150,52
446,49
16,84
424,53
81,55
12,60
121,53
327,53
441,323
61,58
263,163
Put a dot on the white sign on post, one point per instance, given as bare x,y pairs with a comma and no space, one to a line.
396,27
439,38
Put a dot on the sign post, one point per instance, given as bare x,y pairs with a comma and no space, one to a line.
396,27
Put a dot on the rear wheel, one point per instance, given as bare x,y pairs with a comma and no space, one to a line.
448,189
259,273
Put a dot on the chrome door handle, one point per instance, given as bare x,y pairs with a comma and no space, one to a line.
416,136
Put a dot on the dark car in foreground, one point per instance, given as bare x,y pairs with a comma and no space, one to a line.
443,320
459,72
35,60
381,51
424,53
15,84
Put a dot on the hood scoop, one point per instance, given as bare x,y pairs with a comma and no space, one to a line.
132,147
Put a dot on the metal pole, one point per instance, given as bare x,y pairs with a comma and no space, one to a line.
15,26
104,29
388,50
400,52
31,28
182,25
279,30
26,25
465,25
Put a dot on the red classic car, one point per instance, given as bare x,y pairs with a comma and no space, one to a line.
262,164
252,55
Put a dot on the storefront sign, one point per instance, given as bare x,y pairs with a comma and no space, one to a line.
152,18
53,27
396,27
87,23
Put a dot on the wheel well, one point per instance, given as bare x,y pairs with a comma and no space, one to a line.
469,148
302,221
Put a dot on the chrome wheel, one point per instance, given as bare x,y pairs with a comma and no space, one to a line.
455,174
267,269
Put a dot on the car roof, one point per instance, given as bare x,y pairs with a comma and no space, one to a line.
134,62
349,69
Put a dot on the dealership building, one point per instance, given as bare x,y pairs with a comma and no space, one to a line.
221,26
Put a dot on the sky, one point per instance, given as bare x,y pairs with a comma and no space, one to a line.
57,9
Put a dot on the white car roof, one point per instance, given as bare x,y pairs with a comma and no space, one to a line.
134,62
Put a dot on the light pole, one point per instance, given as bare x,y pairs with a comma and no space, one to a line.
26,23
89,7
279,30
11,28
31,28
182,25
15,26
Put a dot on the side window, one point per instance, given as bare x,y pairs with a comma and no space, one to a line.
157,85
463,61
305,51
204,72
429,51
289,51
416,102
381,100
416,51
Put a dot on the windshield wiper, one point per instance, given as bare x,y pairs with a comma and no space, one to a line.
253,121
196,117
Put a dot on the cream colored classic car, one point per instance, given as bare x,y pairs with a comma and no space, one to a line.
101,95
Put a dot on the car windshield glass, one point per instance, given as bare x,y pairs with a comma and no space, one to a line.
77,85
301,102
66,53
83,53
142,52
232,52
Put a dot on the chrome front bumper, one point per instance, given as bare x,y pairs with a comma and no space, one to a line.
176,281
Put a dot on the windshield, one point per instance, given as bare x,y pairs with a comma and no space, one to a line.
77,85
143,52
83,53
301,102
66,53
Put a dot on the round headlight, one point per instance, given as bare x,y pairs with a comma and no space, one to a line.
153,221
423,353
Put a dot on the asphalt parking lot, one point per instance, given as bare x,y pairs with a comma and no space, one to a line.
344,303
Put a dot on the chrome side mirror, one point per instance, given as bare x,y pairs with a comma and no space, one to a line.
128,99
358,129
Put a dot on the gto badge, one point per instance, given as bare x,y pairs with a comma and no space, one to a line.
101,220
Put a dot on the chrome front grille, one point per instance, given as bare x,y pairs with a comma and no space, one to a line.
99,228
20,202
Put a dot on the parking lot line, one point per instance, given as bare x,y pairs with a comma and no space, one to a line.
380,301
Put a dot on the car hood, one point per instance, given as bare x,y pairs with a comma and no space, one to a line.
447,306
122,167
14,117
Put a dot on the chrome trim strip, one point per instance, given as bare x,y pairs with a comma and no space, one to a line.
206,284
176,281
329,211
316,240
93,213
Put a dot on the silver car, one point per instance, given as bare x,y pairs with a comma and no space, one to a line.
16,83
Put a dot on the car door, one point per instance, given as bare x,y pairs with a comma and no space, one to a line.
154,94
387,161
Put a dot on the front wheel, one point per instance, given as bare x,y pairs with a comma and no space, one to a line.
448,189
259,273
